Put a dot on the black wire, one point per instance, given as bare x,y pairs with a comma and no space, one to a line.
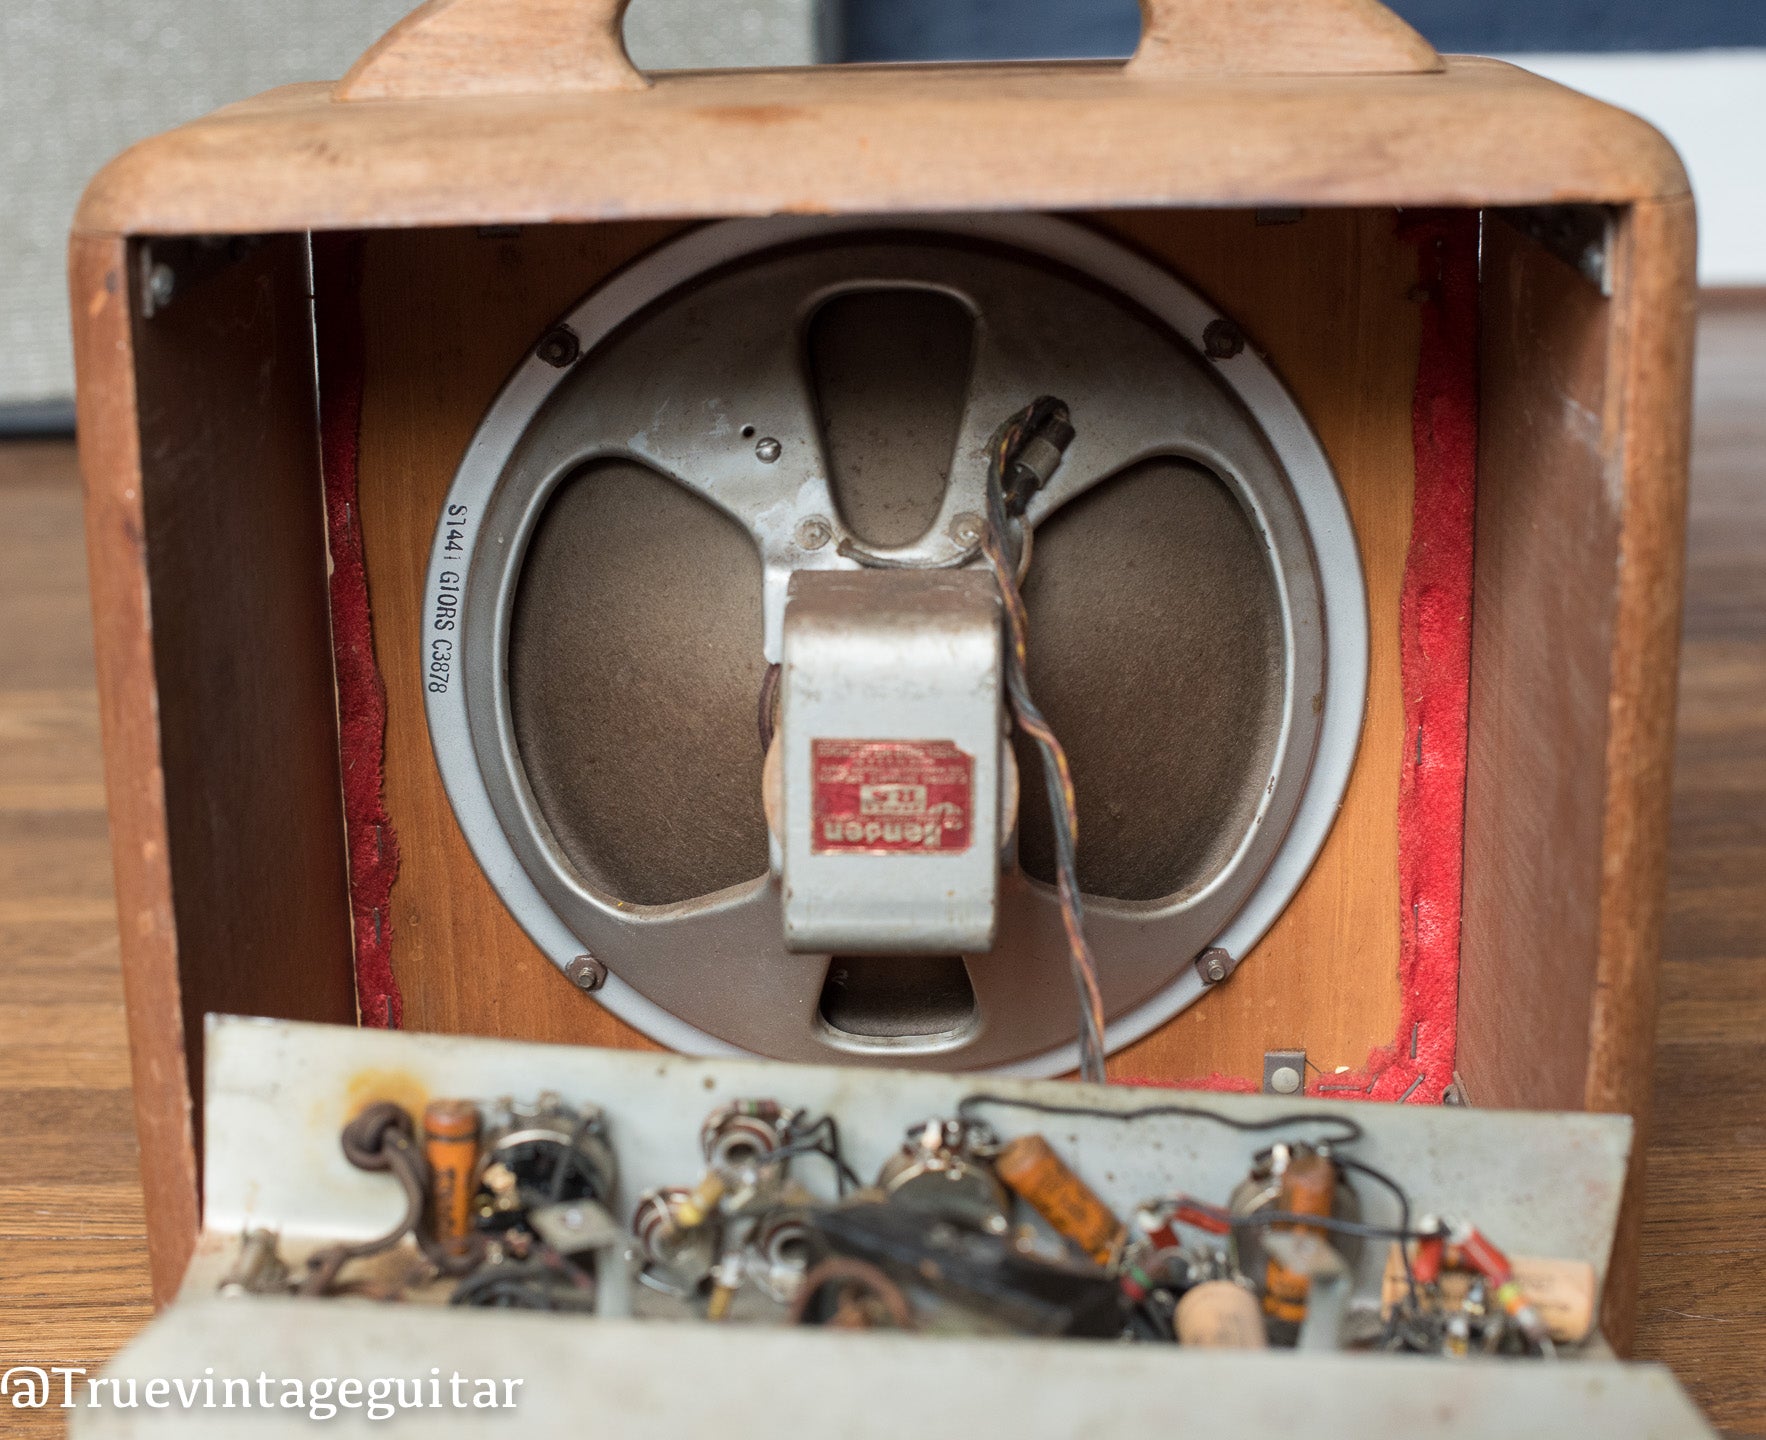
1263,1218
573,1159
1361,1167
827,1146
1001,449
546,1280
1351,1130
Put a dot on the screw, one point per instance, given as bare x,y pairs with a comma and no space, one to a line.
1222,340
586,973
559,348
967,528
1214,965
162,283
768,450
813,532
1284,1080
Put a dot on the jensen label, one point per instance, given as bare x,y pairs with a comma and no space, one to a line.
890,797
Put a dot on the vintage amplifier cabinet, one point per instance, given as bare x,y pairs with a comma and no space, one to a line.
463,439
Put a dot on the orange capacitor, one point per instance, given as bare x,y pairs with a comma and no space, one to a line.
1309,1186
450,1144
1030,1167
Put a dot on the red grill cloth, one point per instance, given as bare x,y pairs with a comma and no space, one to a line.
361,694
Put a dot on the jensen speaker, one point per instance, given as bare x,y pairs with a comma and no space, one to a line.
972,567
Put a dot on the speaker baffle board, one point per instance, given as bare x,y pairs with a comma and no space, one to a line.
755,398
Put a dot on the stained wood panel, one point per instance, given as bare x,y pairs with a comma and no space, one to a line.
208,563
446,315
1547,539
1328,300
853,140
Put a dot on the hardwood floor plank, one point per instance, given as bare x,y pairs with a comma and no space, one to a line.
1703,1306
52,1209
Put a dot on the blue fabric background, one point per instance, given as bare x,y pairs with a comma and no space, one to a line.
1031,29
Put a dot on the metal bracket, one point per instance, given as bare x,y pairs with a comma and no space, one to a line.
1284,1072
1579,235
172,267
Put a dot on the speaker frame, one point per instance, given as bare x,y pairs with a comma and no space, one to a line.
481,768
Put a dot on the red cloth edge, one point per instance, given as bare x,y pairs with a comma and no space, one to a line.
1435,654
361,693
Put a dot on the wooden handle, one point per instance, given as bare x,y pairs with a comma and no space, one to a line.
496,47
537,47
1277,37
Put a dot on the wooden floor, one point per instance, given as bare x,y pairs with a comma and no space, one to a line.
73,1282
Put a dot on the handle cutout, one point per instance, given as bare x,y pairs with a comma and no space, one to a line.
537,47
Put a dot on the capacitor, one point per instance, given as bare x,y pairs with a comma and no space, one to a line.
1308,1186
450,1145
1221,1315
1030,1167
1472,1249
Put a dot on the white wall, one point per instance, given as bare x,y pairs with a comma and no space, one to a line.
81,80
1712,105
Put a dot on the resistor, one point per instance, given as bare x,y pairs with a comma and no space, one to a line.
1031,1168
450,1145
1475,1252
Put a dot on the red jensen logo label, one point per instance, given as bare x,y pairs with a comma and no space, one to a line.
890,797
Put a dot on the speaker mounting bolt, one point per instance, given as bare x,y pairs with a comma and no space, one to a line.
967,528
1213,965
813,532
768,450
1222,340
586,973
559,348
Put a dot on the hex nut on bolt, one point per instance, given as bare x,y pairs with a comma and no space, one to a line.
586,973
559,347
1222,340
967,528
